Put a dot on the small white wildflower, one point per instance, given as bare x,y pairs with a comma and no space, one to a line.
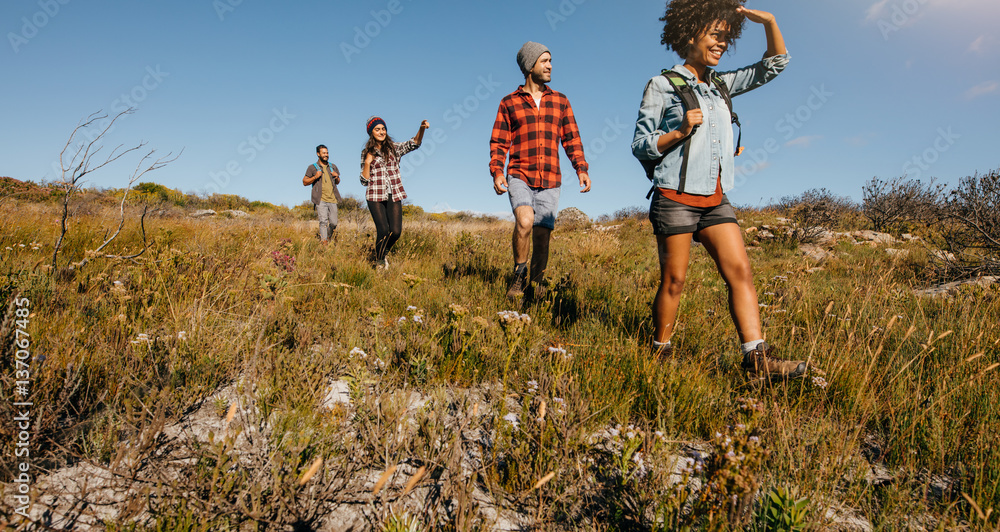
411,308
402,319
754,439
358,352
613,432
512,419
532,386
819,382
182,335
557,350
731,455
418,319
718,435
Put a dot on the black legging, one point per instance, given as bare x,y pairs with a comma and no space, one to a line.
388,218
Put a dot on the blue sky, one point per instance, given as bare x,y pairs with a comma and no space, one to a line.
248,89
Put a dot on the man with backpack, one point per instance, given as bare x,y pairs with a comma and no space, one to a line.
531,123
324,178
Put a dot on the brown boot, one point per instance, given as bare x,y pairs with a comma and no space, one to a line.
760,363
517,284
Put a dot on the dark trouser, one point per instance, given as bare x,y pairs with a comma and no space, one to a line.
388,218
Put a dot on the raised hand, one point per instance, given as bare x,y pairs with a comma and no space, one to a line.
755,15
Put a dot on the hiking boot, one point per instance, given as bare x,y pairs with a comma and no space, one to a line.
381,265
661,351
536,291
760,363
516,287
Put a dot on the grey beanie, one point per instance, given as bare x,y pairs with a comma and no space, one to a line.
528,55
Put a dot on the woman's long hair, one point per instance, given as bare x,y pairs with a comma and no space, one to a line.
386,150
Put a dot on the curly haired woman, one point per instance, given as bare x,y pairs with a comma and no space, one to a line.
690,156
385,194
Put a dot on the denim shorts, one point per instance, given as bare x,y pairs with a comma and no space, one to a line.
544,201
672,218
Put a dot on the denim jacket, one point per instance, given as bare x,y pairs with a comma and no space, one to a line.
662,111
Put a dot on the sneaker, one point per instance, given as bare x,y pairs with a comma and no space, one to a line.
516,287
662,351
760,363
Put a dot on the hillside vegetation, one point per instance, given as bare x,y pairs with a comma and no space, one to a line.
240,375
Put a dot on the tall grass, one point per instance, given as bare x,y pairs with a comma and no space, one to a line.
906,382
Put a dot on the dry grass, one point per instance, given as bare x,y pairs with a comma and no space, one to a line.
495,423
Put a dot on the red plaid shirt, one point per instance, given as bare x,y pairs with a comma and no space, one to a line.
531,135
384,176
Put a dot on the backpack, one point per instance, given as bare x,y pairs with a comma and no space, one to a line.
690,101
333,182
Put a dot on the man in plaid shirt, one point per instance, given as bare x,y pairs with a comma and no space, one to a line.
530,124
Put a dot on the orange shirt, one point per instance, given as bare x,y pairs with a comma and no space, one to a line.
695,200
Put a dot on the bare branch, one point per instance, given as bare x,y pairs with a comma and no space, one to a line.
83,162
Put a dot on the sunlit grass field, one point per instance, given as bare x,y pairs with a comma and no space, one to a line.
902,382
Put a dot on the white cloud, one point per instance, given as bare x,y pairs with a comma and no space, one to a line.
861,140
979,45
982,89
804,141
875,10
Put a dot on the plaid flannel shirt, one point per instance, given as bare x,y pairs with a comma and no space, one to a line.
531,136
384,176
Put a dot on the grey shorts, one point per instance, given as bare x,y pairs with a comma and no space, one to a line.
672,218
544,201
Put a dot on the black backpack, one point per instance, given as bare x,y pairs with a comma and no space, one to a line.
690,101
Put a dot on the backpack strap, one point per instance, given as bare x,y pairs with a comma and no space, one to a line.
690,101
724,91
